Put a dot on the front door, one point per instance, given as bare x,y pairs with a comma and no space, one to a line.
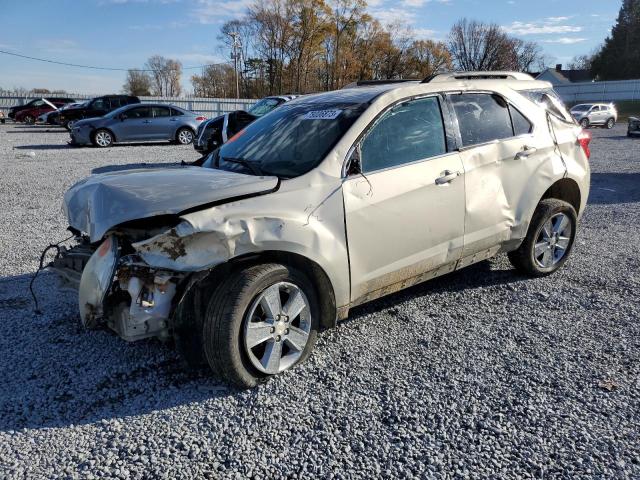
133,125
405,211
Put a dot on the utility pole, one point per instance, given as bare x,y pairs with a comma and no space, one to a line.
237,48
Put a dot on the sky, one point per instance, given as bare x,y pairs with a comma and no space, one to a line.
124,33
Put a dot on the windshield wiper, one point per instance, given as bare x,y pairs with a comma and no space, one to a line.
241,161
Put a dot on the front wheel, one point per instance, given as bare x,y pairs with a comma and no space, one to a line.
610,123
184,136
261,321
29,120
102,138
549,239
584,123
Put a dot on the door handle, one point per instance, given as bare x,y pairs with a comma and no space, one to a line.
173,120
147,121
447,177
525,152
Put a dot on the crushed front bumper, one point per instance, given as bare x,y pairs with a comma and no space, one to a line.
119,291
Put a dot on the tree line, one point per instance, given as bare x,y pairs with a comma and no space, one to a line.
303,46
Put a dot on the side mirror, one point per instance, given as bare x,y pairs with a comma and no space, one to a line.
353,165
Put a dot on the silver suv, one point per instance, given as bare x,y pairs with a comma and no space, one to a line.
328,202
588,114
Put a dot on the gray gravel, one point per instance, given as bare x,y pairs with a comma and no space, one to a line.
480,373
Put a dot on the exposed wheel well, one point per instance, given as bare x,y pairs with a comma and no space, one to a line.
317,275
565,189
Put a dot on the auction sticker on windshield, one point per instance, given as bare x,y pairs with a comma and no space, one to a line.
322,115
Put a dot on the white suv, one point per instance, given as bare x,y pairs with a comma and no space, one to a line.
330,201
589,114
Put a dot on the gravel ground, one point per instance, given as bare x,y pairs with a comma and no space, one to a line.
480,373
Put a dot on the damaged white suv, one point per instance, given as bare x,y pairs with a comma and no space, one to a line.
330,201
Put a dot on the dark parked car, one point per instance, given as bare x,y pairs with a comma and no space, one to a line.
138,123
97,107
17,108
213,133
633,130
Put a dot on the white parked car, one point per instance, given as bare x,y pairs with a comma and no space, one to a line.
591,114
330,201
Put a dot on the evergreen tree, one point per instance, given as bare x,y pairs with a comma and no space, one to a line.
619,57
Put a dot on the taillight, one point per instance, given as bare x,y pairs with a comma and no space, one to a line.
584,139
201,119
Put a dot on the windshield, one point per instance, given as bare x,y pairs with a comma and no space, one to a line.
289,142
264,106
581,108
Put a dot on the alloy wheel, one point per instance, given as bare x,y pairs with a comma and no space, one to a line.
553,240
185,137
103,139
277,328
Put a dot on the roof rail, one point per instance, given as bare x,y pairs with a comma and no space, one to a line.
449,77
368,83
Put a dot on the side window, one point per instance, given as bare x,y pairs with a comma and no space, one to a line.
161,111
408,132
175,112
482,118
99,104
521,126
139,112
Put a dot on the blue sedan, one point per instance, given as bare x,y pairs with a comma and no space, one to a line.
138,123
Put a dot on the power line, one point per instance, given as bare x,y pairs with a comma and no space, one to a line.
101,68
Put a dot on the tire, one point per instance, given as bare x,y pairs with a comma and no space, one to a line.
184,136
226,331
610,124
584,123
68,124
102,138
550,256
29,119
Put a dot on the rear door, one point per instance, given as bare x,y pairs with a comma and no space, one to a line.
162,126
500,155
405,212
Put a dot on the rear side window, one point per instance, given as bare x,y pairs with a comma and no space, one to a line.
175,112
482,118
521,126
406,133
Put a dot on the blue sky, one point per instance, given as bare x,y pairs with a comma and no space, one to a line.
124,33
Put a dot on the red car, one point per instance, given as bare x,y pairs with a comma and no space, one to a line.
37,108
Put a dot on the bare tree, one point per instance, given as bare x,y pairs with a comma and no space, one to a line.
165,76
485,46
137,83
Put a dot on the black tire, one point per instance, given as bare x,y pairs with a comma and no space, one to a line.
102,138
524,258
584,123
182,134
226,314
66,125
610,123
29,119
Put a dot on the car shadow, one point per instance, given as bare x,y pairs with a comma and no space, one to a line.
131,166
612,188
55,373
43,147
37,130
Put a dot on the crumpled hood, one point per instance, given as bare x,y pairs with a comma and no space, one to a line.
100,202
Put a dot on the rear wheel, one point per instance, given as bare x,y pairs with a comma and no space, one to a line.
29,119
549,239
584,123
260,322
610,123
102,138
184,136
